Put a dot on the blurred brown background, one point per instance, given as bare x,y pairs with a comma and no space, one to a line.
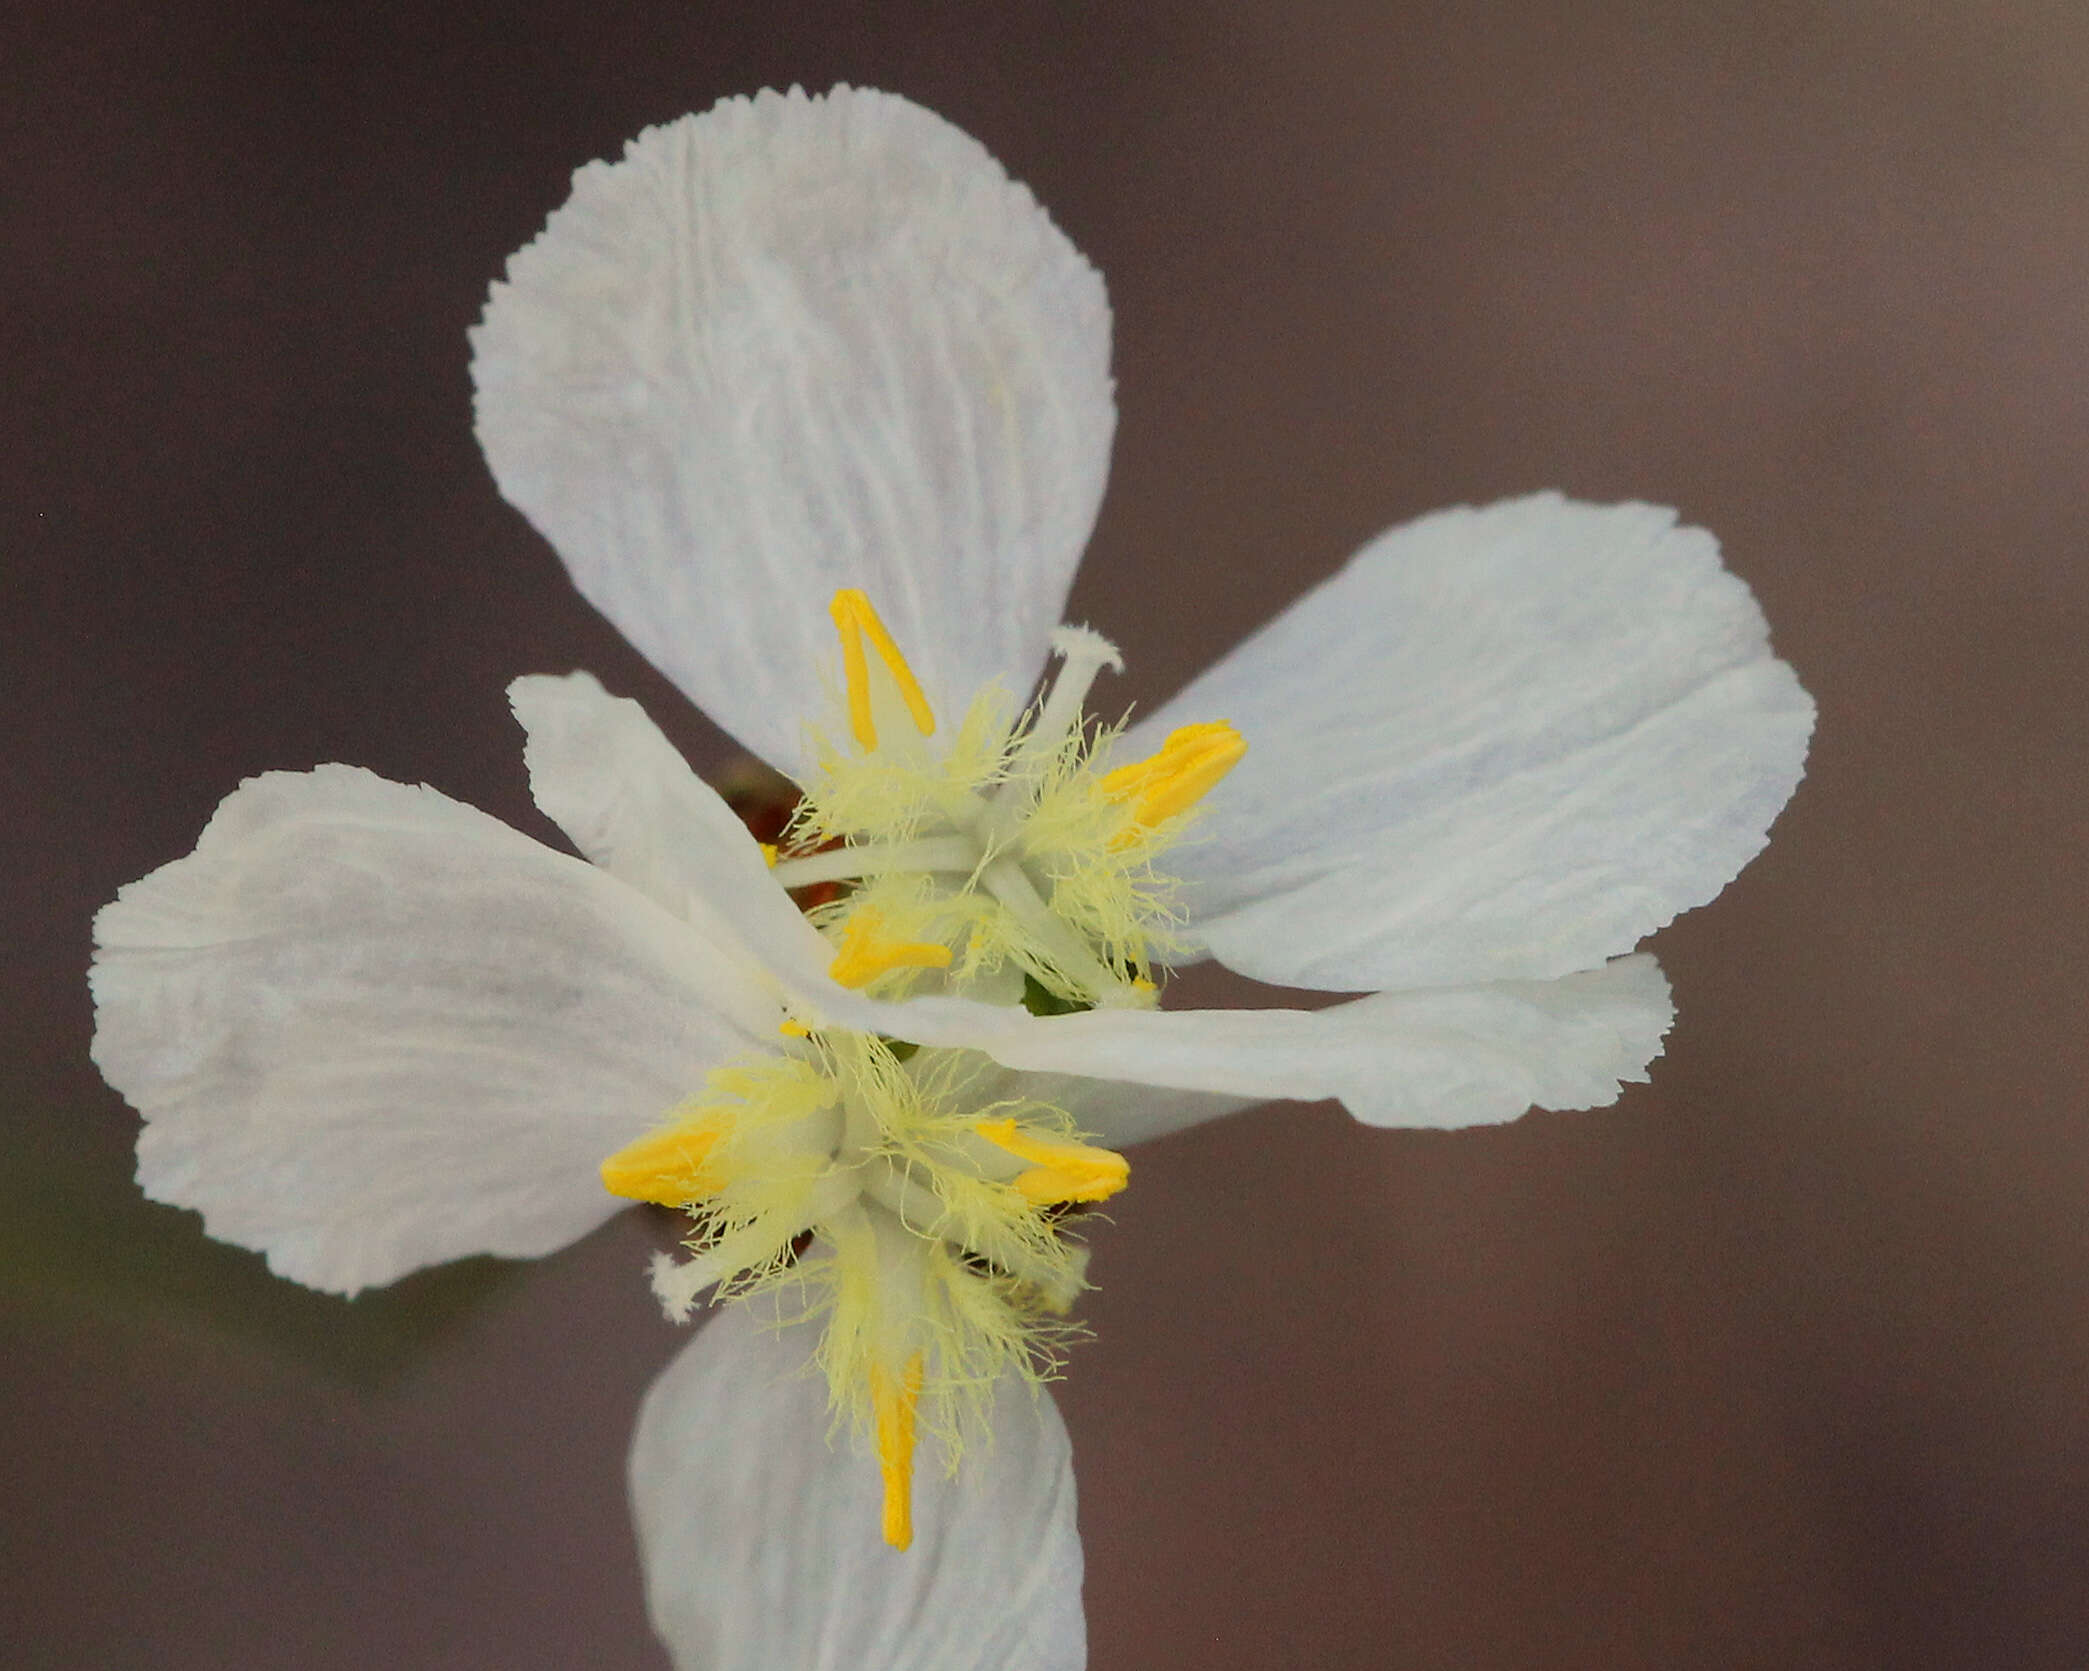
1779,1363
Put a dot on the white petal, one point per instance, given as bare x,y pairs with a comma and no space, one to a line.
761,1544
1436,1057
610,779
370,1028
1453,1057
1501,744
791,345
607,776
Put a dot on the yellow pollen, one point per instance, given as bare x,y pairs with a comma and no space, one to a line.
892,1403
1061,1172
868,952
1187,767
792,1028
769,854
856,621
666,1166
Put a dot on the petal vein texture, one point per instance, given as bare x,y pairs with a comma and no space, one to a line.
794,345
1501,744
761,1545
371,1029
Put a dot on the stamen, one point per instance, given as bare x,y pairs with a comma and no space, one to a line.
869,858
868,952
666,1167
677,1285
1187,767
856,621
892,1404
1068,953
914,1204
1059,1294
1062,1171
1084,653
927,1226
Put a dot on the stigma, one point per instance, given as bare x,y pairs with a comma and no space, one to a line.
1013,859
925,1223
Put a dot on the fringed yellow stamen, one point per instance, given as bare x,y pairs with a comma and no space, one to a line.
1185,770
1061,1172
892,1405
667,1167
856,621
868,952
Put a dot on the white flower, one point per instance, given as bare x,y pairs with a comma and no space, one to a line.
370,1029
807,364
815,404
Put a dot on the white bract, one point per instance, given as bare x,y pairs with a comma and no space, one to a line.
815,405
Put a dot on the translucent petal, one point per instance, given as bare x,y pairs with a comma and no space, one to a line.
1453,1057
761,1542
604,773
371,1029
1501,744
1432,1057
793,345
612,781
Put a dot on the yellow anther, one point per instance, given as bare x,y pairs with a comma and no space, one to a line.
792,1028
856,621
666,1166
868,952
892,1406
769,854
1185,770
1061,1171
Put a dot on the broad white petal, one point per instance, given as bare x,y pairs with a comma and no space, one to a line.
1454,1057
604,773
1432,1057
791,345
761,1544
1447,1057
371,1029
1501,744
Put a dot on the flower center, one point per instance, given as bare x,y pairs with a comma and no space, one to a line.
938,1255
1010,856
